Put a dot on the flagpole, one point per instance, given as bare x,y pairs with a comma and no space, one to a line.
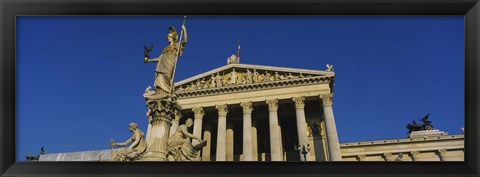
178,53
238,50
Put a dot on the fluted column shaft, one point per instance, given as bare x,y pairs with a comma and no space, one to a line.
247,131
197,123
301,124
221,132
158,135
148,137
275,141
331,129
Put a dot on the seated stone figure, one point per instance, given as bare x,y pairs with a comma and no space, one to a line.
136,148
180,147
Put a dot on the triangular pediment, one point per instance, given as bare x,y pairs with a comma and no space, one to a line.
242,74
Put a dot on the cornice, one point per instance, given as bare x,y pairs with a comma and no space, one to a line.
254,86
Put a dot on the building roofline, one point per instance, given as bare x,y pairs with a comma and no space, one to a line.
259,67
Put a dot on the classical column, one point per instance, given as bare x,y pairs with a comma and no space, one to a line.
441,154
301,124
254,141
332,136
207,136
221,132
275,141
247,131
175,121
197,124
230,142
414,155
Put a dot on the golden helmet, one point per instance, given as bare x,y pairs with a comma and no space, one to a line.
173,33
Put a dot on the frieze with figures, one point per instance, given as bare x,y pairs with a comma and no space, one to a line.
249,76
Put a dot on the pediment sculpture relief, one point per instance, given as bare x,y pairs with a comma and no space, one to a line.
236,77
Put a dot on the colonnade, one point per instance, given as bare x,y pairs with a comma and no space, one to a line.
224,148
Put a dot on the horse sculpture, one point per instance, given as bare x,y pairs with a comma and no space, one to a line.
419,127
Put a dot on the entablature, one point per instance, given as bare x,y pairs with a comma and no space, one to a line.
254,86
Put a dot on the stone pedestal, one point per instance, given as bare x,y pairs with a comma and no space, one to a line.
427,133
161,112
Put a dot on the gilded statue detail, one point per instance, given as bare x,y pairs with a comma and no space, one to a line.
166,62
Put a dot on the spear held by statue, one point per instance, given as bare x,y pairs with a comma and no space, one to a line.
180,39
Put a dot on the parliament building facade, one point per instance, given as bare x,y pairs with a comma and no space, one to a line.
264,113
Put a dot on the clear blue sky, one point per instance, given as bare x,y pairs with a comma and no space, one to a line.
80,79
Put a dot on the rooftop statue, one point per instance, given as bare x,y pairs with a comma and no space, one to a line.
419,127
135,150
329,67
233,59
31,157
166,62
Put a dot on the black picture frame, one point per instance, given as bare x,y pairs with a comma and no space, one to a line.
10,9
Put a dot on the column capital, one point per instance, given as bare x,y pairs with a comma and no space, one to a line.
272,104
414,153
222,109
387,156
247,107
442,151
199,112
327,99
299,102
